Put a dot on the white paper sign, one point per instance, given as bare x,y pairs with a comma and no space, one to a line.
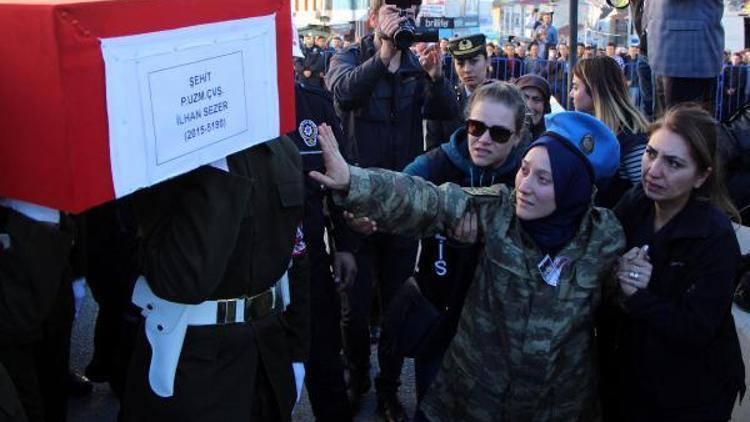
197,104
182,98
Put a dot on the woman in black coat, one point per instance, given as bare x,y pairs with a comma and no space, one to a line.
672,352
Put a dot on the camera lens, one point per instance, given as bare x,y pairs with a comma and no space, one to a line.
404,36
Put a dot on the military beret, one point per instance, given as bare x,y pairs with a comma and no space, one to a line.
591,137
467,47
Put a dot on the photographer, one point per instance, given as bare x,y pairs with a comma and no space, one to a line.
382,93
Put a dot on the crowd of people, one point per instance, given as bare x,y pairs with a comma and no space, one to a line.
546,55
537,265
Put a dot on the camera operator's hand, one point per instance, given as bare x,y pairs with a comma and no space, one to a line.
431,62
388,22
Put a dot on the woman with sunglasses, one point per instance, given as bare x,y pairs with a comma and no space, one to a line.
486,151
599,88
674,353
523,347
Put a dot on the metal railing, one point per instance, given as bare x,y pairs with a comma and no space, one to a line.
732,88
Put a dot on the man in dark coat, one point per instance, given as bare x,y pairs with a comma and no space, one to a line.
470,64
217,244
382,94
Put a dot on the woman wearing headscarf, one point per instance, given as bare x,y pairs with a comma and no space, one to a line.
523,349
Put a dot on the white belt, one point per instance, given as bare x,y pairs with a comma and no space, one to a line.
167,322
229,311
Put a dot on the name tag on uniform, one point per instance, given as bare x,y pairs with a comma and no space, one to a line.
551,269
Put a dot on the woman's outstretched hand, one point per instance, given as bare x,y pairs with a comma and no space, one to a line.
337,170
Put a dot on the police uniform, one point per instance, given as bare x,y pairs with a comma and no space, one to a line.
217,245
324,370
438,131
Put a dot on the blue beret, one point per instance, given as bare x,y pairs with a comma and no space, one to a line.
589,136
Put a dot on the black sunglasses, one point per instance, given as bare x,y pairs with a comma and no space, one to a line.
498,134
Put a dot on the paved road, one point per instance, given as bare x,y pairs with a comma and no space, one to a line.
102,405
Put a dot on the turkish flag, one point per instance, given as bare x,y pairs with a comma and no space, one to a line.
55,139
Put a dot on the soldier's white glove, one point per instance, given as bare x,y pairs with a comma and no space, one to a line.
35,212
299,377
79,293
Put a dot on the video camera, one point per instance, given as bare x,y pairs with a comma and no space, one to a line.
409,33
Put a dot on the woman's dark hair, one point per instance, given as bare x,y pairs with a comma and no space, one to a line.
699,130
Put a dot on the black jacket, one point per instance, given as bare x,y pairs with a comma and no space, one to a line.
446,268
440,131
33,265
31,272
11,409
315,106
676,352
733,148
382,112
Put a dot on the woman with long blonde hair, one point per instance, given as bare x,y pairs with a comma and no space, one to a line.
599,88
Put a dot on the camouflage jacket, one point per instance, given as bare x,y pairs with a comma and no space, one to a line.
524,349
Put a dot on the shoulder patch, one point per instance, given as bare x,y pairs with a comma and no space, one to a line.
308,131
299,248
494,190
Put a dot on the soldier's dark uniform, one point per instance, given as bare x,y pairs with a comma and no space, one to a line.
32,267
210,235
324,370
11,409
111,271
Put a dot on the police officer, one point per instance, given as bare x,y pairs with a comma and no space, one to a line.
470,63
326,387
224,292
